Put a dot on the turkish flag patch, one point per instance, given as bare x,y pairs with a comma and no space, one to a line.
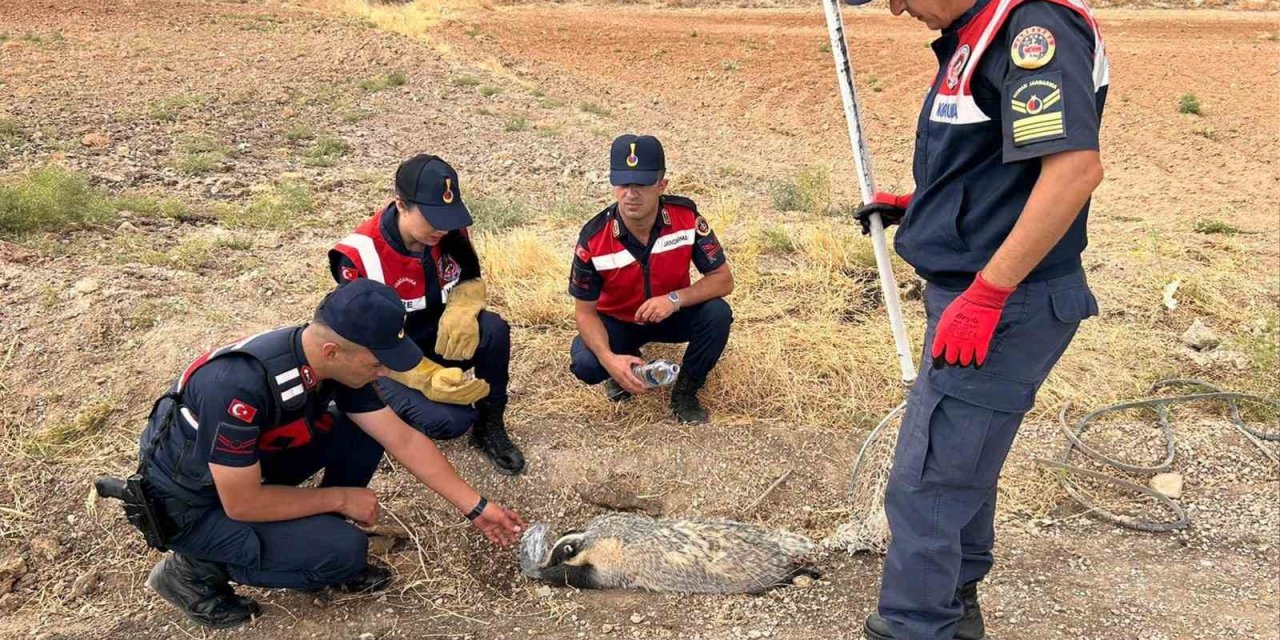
242,410
349,274
583,254
308,377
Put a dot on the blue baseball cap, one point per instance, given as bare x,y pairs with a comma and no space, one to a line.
371,315
636,160
430,183
856,2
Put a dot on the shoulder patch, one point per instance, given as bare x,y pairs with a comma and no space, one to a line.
241,410
956,66
1036,111
349,274
1032,48
703,228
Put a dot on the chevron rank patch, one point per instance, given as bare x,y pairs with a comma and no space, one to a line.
1035,110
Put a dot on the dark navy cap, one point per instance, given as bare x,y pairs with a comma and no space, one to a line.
856,2
636,160
371,315
432,184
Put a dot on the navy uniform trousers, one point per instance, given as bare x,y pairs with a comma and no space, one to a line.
957,431
705,326
492,362
305,553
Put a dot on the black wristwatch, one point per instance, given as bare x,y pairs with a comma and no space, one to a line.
475,513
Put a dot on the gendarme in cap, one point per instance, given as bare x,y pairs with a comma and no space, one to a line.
636,160
371,315
430,183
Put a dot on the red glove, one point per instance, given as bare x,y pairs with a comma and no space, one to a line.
891,208
965,329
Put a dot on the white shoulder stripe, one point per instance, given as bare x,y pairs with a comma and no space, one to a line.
673,241
291,392
368,255
291,374
613,260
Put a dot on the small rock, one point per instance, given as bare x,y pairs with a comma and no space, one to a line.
47,547
95,140
11,45
1170,289
543,592
86,285
912,290
802,581
86,584
381,545
1168,484
126,227
753,634
11,570
366,636
1200,337
288,112
636,618
606,628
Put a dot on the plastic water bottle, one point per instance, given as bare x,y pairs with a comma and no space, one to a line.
657,373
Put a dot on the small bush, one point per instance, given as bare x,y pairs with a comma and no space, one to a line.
489,91
299,132
779,240
51,198
729,65
155,207
395,78
87,422
1210,227
325,151
199,155
594,109
278,207
1189,103
466,81
810,191
171,108
550,103
516,123
495,214
11,132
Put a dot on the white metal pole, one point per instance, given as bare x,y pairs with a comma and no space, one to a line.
862,158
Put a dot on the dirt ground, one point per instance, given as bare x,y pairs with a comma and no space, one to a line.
94,324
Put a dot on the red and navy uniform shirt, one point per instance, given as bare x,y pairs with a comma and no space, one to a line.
423,280
1017,80
619,272
230,400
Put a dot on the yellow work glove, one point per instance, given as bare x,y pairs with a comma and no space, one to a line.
442,384
458,333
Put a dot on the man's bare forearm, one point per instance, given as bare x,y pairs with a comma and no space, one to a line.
246,500
592,330
419,455
1066,181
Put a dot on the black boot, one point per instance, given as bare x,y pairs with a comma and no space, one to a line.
201,591
614,391
971,626
877,628
489,434
684,400
370,579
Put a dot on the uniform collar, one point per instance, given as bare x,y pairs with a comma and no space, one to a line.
965,17
620,230
391,231
309,379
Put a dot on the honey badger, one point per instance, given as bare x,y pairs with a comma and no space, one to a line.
629,551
